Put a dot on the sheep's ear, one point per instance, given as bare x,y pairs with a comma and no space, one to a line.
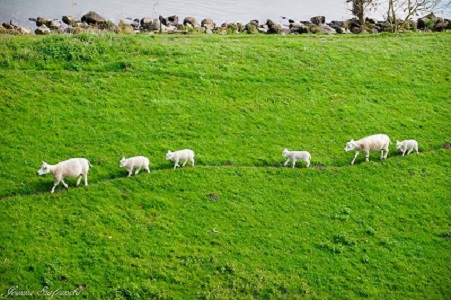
123,157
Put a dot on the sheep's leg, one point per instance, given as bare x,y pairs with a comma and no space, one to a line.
130,171
192,162
137,171
55,184
416,148
176,164
367,155
386,152
184,162
294,162
404,152
65,185
355,156
147,169
288,160
308,163
79,179
86,178
411,149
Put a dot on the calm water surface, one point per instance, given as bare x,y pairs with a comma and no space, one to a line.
218,10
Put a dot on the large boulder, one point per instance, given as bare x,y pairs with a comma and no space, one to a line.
124,28
23,30
170,21
42,30
156,25
251,28
318,20
362,29
370,21
273,27
256,23
146,23
297,27
42,21
314,29
135,24
448,24
55,25
208,24
339,26
325,29
263,28
440,25
68,20
384,26
426,22
191,22
7,25
233,27
93,18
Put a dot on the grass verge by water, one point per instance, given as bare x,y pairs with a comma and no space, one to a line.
371,230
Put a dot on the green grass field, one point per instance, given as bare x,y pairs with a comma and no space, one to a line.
333,231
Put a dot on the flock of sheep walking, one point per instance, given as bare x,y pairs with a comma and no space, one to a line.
79,167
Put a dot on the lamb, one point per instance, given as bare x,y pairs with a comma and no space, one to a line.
295,156
137,161
407,145
185,154
372,142
69,168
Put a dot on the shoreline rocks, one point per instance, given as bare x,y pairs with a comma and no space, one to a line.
92,22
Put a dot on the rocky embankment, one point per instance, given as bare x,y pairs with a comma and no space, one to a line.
92,22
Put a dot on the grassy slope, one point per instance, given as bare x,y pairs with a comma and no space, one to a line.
333,231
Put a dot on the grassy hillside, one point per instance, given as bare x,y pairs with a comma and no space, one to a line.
375,230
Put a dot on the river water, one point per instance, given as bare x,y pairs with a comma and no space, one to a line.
218,10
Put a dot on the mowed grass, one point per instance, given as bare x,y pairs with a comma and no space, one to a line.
238,225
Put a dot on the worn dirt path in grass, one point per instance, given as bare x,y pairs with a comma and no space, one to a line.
41,190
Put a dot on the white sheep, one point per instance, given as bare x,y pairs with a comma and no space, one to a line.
69,168
295,156
407,145
137,161
185,154
372,142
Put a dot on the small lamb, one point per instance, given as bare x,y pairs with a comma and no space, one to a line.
295,156
372,142
137,161
69,168
185,154
407,145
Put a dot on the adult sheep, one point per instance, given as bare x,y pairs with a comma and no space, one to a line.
69,168
373,142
